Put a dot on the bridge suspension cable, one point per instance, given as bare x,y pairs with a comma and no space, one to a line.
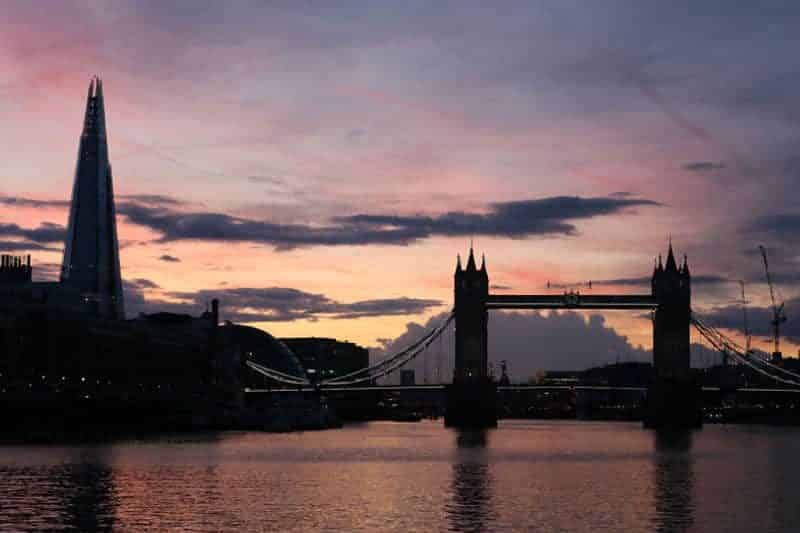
391,363
752,359
758,356
276,375
378,370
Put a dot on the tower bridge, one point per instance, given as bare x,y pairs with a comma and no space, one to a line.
469,398
672,399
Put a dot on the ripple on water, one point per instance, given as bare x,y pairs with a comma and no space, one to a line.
527,476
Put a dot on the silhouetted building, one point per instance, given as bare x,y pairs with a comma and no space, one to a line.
470,399
15,269
626,374
671,288
407,377
560,377
328,358
91,282
673,398
252,344
67,351
471,292
91,253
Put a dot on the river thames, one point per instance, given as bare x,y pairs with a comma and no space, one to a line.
384,476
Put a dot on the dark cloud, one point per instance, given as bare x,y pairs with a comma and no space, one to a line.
47,232
780,227
383,307
175,225
546,216
703,166
135,300
275,304
152,199
22,246
758,318
17,201
142,283
540,217
703,355
708,279
532,341
169,258
779,277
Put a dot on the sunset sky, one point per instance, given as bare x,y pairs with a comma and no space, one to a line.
318,169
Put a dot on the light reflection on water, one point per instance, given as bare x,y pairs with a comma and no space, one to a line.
674,481
527,476
470,507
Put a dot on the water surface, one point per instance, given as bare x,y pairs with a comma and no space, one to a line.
524,476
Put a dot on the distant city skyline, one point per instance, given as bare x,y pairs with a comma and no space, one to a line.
318,171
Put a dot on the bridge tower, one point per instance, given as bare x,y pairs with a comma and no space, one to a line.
673,397
471,293
471,400
672,291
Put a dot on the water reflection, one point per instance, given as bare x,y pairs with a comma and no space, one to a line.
674,481
784,478
470,508
414,477
70,492
88,494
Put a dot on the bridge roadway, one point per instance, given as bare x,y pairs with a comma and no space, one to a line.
570,301
392,388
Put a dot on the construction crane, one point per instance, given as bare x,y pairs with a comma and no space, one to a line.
747,337
778,316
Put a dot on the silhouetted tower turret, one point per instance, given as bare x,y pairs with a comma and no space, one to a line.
471,400
471,293
91,252
673,398
672,291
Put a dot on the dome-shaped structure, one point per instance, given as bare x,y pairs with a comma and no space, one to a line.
259,346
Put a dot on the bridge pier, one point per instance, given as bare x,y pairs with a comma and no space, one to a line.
673,399
471,404
471,400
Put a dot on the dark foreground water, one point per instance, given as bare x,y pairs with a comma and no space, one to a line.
524,476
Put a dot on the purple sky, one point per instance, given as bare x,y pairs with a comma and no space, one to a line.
319,167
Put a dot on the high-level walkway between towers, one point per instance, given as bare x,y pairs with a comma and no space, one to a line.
571,300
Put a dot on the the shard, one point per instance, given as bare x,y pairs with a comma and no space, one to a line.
91,252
